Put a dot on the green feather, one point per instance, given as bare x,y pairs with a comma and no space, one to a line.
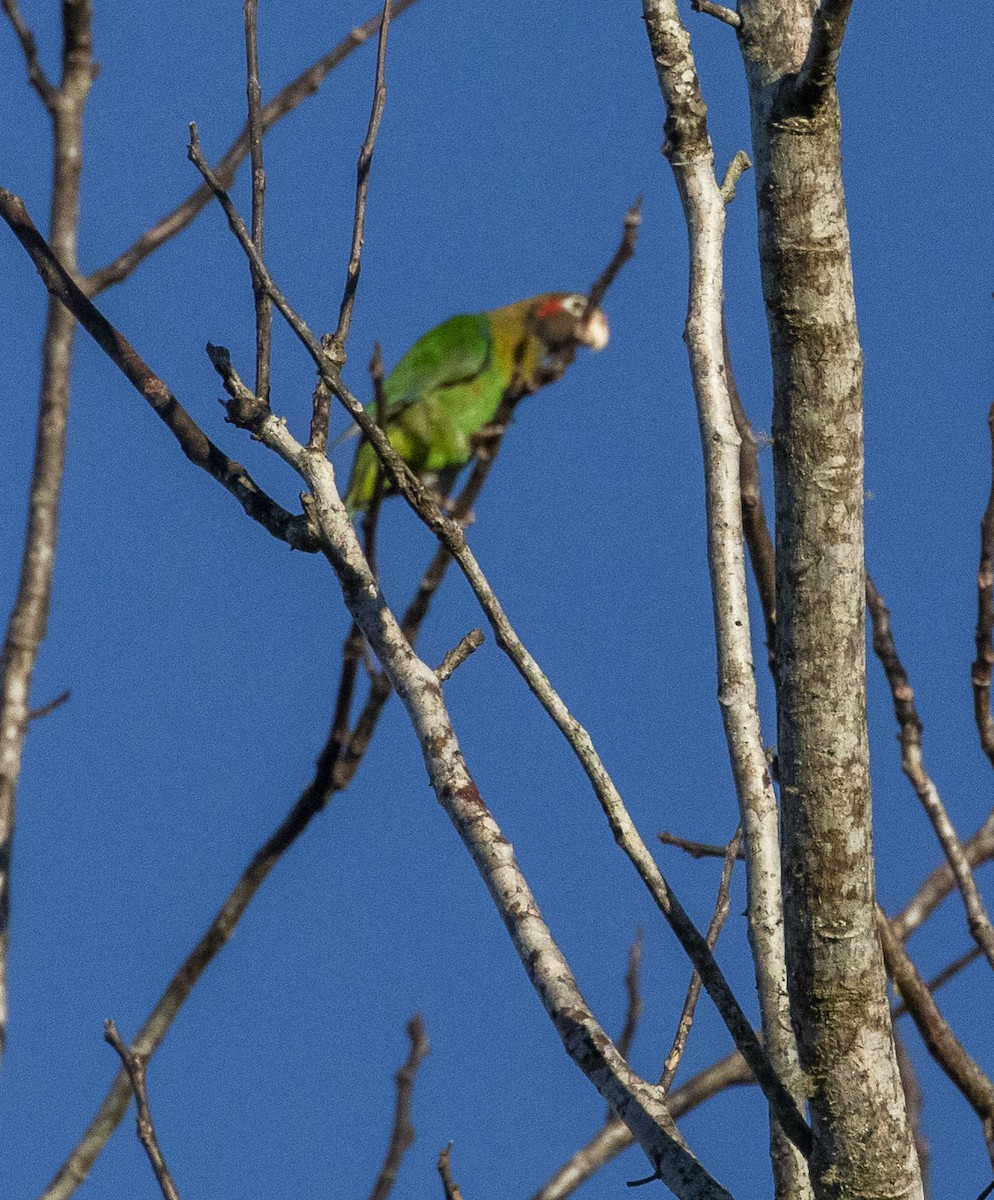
443,391
450,383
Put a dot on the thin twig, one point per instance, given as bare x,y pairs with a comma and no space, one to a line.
371,515
625,251
134,1064
696,849
728,15
984,664
338,340
449,1185
195,444
910,739
46,90
305,85
455,657
402,1134
634,1007
721,907
263,305
237,226
36,714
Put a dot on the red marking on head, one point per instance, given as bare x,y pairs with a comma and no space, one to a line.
549,308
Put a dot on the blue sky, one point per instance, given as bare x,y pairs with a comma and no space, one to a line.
203,655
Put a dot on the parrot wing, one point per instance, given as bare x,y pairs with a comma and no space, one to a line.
454,352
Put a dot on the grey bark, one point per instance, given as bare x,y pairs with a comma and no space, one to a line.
862,1144
29,617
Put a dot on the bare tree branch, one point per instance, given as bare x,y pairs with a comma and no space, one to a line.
625,251
731,1071
821,63
613,1138
283,103
36,714
259,421
28,620
449,1186
721,905
336,767
838,996
941,882
195,444
46,90
695,849
982,667
942,1043
728,15
134,1065
337,347
638,1103
455,657
754,523
913,1094
691,156
634,1007
402,1134
263,305
620,1086
910,737
733,173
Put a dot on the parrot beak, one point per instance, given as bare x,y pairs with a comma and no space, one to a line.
595,332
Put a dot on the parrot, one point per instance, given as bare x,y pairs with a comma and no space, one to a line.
449,385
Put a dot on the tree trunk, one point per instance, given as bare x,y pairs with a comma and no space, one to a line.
837,985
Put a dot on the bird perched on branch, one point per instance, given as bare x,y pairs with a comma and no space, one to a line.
447,388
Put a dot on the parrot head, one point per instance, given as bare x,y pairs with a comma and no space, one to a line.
560,319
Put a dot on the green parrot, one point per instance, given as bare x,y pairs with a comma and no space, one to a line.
449,385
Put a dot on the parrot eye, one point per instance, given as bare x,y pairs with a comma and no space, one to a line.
574,305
